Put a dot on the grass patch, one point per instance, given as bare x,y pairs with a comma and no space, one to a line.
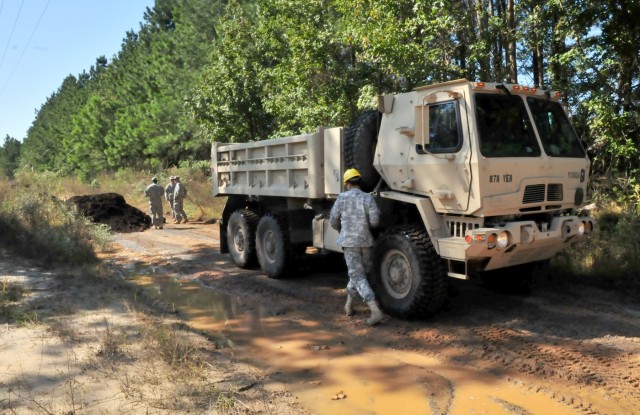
111,342
39,225
10,295
610,258
175,349
12,307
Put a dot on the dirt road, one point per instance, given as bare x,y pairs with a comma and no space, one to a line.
564,350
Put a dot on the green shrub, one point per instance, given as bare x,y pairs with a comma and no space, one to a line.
611,256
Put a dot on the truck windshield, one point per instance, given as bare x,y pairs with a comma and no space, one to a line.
504,127
556,134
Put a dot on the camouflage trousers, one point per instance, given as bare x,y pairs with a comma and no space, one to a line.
156,214
359,261
173,212
179,210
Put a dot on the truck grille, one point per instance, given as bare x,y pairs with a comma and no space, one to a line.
554,193
458,226
535,193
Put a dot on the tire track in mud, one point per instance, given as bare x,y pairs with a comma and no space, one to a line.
587,365
579,347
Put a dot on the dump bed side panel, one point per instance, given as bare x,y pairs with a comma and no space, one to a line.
285,167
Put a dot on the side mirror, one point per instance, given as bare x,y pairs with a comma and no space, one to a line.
385,103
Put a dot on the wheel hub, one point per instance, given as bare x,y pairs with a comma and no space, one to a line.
270,246
396,274
238,240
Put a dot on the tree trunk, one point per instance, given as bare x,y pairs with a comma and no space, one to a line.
482,25
558,47
495,9
511,42
539,65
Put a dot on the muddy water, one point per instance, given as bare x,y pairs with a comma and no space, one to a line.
336,373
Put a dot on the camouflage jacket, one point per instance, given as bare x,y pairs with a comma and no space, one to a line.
179,191
154,192
168,191
353,214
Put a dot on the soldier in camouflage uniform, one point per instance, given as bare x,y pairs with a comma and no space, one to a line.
154,192
179,193
353,213
168,194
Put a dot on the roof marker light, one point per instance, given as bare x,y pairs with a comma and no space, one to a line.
516,87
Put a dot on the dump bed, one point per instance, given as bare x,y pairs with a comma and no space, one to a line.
283,167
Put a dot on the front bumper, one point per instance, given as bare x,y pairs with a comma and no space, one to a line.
513,243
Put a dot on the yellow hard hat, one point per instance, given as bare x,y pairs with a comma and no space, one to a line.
350,174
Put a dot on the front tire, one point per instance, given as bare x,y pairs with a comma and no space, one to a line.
408,277
273,246
241,238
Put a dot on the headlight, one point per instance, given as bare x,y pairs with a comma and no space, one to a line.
582,228
503,240
491,241
585,228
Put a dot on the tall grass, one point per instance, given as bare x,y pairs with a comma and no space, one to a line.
611,256
37,224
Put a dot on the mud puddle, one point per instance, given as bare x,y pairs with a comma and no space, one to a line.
339,372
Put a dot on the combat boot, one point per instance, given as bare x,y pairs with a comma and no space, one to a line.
376,313
348,307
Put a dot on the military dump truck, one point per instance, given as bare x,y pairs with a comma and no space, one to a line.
472,179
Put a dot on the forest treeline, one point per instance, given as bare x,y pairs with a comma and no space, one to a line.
198,71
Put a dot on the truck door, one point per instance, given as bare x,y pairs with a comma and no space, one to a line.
440,158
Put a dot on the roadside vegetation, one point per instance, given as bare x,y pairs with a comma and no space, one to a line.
140,349
610,258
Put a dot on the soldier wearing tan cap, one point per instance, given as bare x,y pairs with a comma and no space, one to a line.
179,193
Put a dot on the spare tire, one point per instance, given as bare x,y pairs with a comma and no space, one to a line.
360,141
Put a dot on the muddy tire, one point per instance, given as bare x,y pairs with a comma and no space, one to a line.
409,278
273,246
241,238
360,141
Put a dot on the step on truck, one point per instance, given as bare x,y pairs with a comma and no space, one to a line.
472,180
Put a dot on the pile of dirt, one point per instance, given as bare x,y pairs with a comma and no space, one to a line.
111,209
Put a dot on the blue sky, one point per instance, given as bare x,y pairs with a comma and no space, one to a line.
44,41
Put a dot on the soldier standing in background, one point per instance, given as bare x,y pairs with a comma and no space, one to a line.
168,194
154,192
179,193
353,214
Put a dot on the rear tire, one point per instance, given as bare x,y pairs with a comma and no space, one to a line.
408,277
273,246
241,238
360,141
